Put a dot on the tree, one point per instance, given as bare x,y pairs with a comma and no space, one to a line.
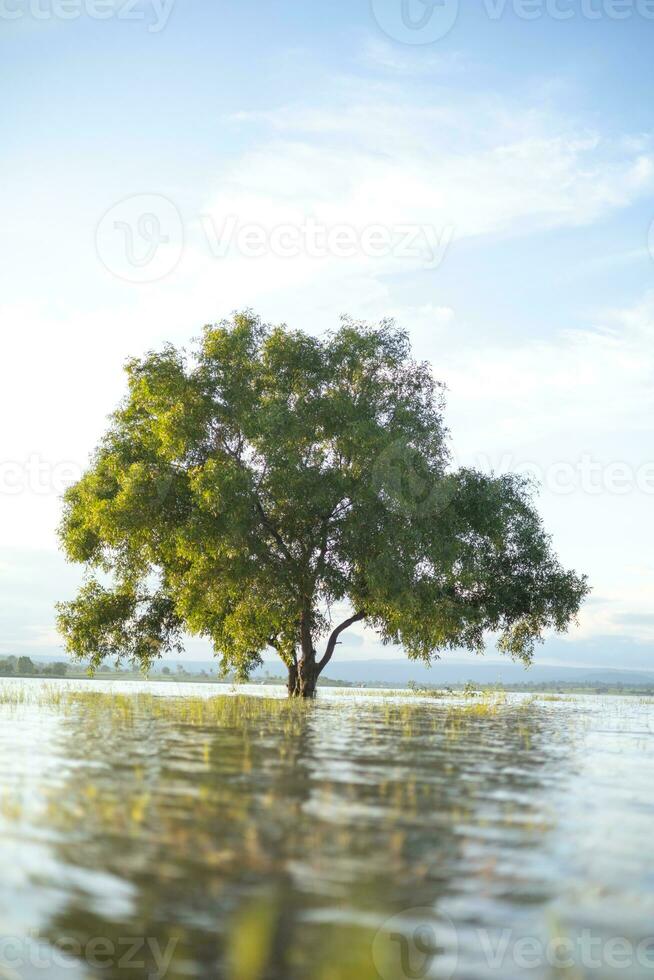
247,492
25,666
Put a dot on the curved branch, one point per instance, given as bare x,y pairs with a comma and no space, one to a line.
333,639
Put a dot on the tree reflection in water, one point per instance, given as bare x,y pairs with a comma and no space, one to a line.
256,838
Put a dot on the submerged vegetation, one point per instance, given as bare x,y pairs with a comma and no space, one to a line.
227,711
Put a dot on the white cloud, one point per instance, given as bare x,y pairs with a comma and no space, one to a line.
547,405
390,57
459,167
588,381
480,165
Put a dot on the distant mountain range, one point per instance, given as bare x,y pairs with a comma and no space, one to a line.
484,672
443,673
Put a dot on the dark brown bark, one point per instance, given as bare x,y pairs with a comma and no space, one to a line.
303,675
333,639
302,679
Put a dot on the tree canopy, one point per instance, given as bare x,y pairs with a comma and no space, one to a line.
248,490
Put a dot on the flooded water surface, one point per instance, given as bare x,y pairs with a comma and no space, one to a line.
359,837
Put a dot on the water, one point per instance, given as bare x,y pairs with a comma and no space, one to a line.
362,836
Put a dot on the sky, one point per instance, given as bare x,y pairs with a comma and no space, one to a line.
482,173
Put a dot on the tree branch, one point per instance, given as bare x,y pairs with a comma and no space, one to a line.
236,456
272,530
324,543
333,639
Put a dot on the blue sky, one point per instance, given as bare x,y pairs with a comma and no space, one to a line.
515,151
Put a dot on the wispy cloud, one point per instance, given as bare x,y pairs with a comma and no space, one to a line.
379,54
597,379
481,164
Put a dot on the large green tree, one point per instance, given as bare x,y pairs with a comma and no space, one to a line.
247,491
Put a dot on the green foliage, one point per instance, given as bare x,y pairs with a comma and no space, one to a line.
241,492
57,669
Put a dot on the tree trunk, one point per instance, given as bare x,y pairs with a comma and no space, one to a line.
303,674
302,679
